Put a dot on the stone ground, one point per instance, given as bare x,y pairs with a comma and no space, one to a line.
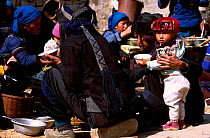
201,131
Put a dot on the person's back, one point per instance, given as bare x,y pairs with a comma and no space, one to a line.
94,87
187,12
83,55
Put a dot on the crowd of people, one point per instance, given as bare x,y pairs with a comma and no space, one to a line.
87,77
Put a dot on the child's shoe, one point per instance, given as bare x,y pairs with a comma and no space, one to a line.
171,126
182,124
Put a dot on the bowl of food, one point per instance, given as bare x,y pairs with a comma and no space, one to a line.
198,42
142,58
189,41
128,49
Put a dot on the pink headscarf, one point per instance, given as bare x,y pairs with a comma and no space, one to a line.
56,30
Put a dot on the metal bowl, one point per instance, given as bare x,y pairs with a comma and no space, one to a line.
28,126
48,120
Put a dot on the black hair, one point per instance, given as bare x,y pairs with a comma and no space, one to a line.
142,24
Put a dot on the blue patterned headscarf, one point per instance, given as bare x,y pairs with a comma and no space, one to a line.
24,15
115,18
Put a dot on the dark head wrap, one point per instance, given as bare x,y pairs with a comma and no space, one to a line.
71,17
24,15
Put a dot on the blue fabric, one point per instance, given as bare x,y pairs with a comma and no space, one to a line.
59,123
115,18
73,27
11,43
9,4
186,11
206,61
24,15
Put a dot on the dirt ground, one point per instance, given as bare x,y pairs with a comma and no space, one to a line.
201,131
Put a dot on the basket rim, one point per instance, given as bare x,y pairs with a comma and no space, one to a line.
16,97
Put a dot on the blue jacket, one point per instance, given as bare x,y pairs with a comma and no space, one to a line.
17,46
186,11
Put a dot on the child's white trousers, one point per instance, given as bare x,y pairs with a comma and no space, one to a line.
175,92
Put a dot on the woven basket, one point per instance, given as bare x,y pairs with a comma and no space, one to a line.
15,106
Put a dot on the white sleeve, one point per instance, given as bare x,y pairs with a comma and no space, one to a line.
153,65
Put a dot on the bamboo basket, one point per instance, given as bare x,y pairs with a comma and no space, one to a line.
15,106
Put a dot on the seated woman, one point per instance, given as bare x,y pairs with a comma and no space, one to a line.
26,25
117,34
85,79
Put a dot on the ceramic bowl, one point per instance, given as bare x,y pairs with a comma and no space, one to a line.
143,57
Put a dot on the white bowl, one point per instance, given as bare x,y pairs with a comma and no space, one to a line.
143,57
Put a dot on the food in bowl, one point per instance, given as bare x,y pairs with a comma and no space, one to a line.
128,49
142,58
198,42
189,42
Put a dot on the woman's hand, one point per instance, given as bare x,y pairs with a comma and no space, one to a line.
171,61
50,60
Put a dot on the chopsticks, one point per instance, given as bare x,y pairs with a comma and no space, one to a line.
206,41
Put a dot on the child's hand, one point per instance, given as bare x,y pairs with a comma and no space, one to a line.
126,32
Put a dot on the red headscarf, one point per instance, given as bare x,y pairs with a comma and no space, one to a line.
166,24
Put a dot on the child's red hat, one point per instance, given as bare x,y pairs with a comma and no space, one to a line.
166,24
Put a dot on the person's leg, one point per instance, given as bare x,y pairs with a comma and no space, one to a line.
59,103
173,97
58,100
183,91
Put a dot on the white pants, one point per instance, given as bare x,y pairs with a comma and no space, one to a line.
175,92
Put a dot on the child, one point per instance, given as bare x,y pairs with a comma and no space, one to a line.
118,30
176,86
54,42
52,45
